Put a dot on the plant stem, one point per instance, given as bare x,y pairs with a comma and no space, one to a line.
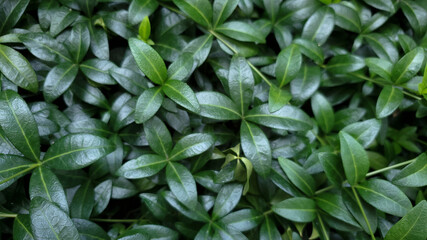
363,212
8,215
323,227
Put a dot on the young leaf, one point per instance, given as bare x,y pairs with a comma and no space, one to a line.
256,147
411,226
298,176
288,64
158,136
76,151
148,104
144,166
148,60
323,112
296,209
144,30
385,197
241,79
19,125
191,145
182,94
17,69
198,10
227,199
182,184
388,101
83,201
222,9
319,26
217,106
408,66
45,184
413,175
49,222
354,158
58,80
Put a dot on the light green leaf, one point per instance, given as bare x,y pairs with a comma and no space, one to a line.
144,30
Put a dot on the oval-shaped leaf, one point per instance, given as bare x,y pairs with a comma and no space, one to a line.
297,209
13,167
333,167
333,205
182,94
298,176
191,145
227,199
182,184
411,226
158,136
413,175
364,132
323,112
58,80
288,64
388,101
408,66
320,25
241,31
217,106
148,104
342,64
198,10
241,79
83,201
144,166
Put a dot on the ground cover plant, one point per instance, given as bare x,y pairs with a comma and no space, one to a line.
223,119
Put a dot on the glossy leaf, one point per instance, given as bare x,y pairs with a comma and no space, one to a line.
222,9
198,10
298,176
411,226
407,66
217,106
296,209
83,201
58,80
319,26
388,101
158,136
182,184
241,31
148,104
364,132
288,64
13,167
323,112
333,167
227,199
413,174
139,9
240,78
144,166
22,227
354,158
11,13
191,145
277,98
341,64
182,94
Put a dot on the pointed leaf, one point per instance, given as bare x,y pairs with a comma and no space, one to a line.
319,26
143,166
408,66
333,205
227,199
364,132
342,64
22,228
388,101
333,167
354,158
182,184
217,106
413,175
83,201
191,145
411,226
222,9
13,167
158,136
323,112
182,94
139,9
241,79
298,176
198,10
11,13
58,80
277,98
288,64
241,31
297,209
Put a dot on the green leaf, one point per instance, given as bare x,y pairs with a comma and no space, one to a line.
342,64
310,49
144,30
288,64
129,80
76,151
45,184
182,184
89,94
414,174
228,197
374,22
93,126
416,15
217,106
99,42
182,94
11,13
241,31
241,79
278,98
333,205
158,136
297,209
306,83
333,167
382,46
17,69
19,125
78,42
364,132
222,9
148,60
298,176
354,158
256,147
49,222
198,10
191,145
347,18
22,227
140,9
45,47
386,5
102,196
98,71
269,230
83,201
385,197
388,101
58,80
408,66
148,104
411,226
323,112
243,220
143,166
287,118
406,43
61,19
381,67
13,167
89,230
320,25
157,231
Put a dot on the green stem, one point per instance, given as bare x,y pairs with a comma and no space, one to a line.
323,227
259,73
363,212
219,37
324,189
8,215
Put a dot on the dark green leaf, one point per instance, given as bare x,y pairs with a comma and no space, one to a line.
411,226
11,13
298,176
333,167
83,201
89,94
256,147
241,31
354,158
58,80
217,106
144,166
98,70
45,184
414,174
269,230
45,47
227,199
49,222
98,42
148,60
191,145
182,94
310,49
19,125
382,46
416,15
341,64
386,5
306,83
333,205
408,66
182,184
277,98
76,151
385,197
388,101
243,220
198,10
17,69
222,9
241,79
158,136
320,25
89,230
22,228
288,64
78,42
381,67
129,80
364,132
138,9
148,104
297,209
323,112
61,19
12,167
93,126
347,18
102,196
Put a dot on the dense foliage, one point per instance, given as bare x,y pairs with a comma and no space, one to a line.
223,119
